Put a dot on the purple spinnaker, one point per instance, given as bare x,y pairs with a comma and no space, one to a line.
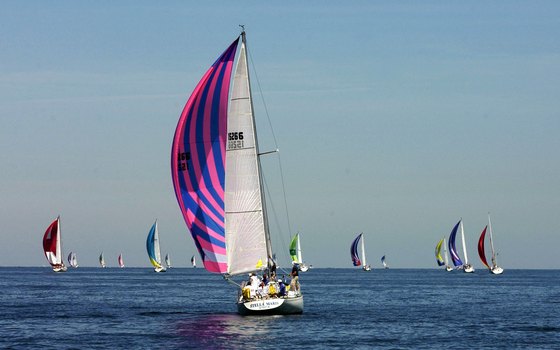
198,161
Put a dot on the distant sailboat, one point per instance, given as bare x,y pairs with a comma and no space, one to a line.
216,172
384,262
120,261
193,261
495,269
442,261
167,261
295,253
73,260
52,246
152,245
466,267
102,260
354,253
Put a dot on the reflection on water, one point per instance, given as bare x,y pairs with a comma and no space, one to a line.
224,331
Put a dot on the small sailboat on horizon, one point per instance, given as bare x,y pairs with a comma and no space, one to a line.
354,253
494,269
73,260
193,261
152,246
167,261
457,262
442,261
384,262
102,261
295,253
120,261
52,246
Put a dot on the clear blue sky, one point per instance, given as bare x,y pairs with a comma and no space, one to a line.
393,118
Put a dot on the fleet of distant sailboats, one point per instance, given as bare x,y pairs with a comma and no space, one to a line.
52,246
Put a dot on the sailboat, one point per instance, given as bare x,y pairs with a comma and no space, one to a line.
193,261
384,263
120,261
73,260
354,253
167,261
295,253
102,260
152,245
466,267
442,261
495,269
52,246
216,171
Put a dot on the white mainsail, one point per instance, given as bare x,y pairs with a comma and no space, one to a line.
246,240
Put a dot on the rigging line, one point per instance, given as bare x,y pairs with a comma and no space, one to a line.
274,138
276,221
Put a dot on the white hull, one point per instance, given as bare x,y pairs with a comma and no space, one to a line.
160,269
59,269
303,268
448,268
272,306
497,270
468,269
366,268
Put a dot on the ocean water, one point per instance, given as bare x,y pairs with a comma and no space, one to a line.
135,308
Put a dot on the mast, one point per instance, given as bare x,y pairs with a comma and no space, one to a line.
363,251
494,262
300,259
464,245
259,168
156,245
59,259
445,253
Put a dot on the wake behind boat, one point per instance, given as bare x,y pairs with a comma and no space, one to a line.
52,246
216,171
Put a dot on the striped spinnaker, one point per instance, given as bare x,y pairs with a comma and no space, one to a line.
198,161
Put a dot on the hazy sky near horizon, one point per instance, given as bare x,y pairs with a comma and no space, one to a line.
392,118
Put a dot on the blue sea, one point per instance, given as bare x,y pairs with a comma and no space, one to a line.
135,308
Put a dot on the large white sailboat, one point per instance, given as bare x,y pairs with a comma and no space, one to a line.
218,182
